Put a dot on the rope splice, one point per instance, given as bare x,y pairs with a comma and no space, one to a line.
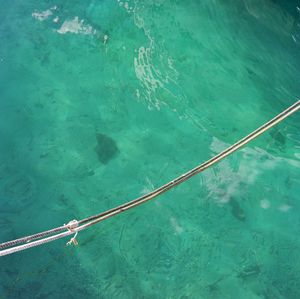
75,226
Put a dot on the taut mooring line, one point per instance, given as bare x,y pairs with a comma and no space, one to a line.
74,226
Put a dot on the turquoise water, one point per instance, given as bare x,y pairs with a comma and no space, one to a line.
102,101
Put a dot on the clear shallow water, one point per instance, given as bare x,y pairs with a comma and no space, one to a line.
88,123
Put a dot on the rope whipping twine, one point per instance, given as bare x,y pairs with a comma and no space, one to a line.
74,226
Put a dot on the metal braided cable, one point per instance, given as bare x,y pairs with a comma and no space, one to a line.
89,221
204,165
35,243
33,237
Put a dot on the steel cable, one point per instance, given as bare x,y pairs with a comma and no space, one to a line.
76,226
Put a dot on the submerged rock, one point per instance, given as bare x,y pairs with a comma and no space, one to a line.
278,136
106,148
252,270
236,210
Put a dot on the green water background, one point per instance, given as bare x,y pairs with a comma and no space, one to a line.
175,83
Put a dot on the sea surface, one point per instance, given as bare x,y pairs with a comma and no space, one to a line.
102,101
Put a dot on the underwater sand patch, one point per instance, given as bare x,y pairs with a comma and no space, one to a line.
43,15
76,26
